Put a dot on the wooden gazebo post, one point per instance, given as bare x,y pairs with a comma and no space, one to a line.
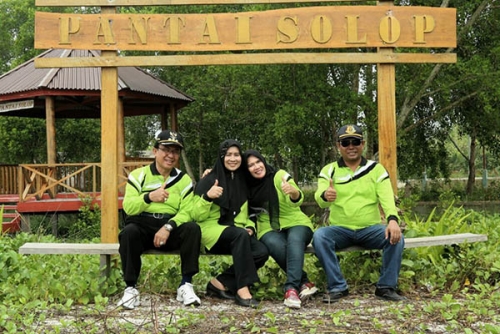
173,118
50,126
121,144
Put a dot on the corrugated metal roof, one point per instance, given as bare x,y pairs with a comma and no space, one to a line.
26,78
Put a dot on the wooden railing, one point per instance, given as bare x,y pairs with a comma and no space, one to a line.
8,179
34,180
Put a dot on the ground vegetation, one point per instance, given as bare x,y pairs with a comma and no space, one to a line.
450,289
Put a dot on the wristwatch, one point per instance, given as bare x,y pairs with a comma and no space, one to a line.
168,227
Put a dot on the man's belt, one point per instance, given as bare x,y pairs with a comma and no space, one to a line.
155,215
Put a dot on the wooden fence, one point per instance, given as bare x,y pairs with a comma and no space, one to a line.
34,180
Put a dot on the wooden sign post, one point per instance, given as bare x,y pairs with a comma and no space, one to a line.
109,147
384,27
386,99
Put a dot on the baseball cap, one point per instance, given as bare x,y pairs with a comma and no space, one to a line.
349,131
169,137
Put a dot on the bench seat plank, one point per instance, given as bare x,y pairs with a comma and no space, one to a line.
112,248
68,248
438,240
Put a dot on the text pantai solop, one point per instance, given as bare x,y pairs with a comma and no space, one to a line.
313,27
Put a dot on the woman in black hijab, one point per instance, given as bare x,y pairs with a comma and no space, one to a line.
221,209
275,199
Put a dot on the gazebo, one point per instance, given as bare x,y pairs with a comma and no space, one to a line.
26,91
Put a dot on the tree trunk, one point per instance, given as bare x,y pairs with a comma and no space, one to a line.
472,165
187,166
295,170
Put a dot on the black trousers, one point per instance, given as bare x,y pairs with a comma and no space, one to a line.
248,254
138,235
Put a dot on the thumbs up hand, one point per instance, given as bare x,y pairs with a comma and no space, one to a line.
288,189
160,194
330,193
215,191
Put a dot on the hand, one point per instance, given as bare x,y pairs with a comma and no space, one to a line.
215,191
330,193
161,237
206,172
288,189
393,231
160,194
250,231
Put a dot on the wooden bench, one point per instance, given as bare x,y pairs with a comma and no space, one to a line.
107,250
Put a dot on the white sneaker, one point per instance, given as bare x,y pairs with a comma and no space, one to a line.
130,299
292,299
307,289
186,295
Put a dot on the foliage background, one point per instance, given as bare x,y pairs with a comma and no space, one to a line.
447,122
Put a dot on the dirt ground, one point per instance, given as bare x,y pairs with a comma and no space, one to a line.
357,313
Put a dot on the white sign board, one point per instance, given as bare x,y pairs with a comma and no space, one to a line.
17,105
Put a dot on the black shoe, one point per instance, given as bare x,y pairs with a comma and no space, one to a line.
388,294
332,297
250,302
222,294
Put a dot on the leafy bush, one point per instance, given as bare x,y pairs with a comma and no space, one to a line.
88,222
84,225
36,286
451,189
452,267
308,194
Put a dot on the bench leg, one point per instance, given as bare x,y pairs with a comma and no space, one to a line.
105,265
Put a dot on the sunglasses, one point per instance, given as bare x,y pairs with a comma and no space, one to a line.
347,142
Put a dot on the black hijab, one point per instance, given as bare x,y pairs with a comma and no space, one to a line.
235,192
263,194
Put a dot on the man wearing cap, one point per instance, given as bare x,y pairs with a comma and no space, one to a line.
157,203
354,188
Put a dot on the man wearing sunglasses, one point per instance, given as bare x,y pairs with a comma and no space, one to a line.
354,189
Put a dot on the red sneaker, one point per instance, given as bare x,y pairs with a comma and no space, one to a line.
307,289
292,299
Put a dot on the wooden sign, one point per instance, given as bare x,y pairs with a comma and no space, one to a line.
292,28
120,3
17,105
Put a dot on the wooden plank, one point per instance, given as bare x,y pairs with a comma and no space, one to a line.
68,248
248,58
58,205
112,248
322,27
441,240
104,3
9,207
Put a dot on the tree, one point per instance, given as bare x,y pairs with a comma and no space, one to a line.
291,112
24,139
17,19
435,97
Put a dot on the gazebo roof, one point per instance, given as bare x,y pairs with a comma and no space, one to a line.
77,91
